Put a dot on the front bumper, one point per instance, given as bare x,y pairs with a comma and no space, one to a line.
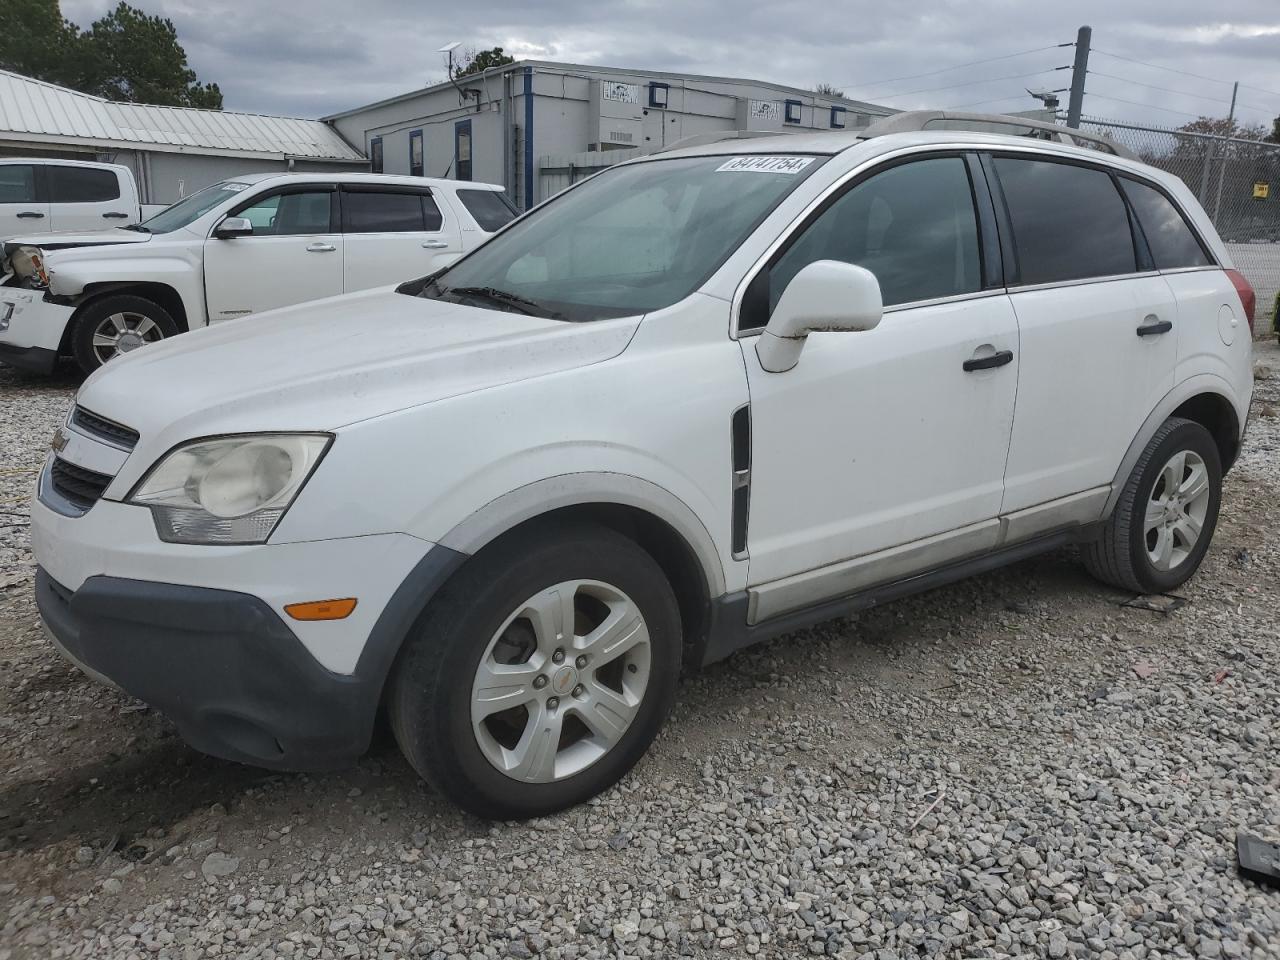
31,329
222,666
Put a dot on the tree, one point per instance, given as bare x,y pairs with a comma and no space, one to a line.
474,61
126,55
1274,136
828,90
37,41
134,56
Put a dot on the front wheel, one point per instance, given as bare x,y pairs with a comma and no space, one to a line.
113,326
541,673
1162,524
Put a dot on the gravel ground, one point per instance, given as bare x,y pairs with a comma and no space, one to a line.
1012,766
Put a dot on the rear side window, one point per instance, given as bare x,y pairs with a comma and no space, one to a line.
1173,243
490,208
82,185
17,183
388,212
1069,222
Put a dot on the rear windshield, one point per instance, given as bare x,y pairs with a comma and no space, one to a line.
633,239
490,208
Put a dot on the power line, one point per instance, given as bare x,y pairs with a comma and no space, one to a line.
958,66
968,83
983,103
1149,106
1156,66
1270,93
1152,86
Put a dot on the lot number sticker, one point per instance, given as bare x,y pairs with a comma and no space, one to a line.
764,165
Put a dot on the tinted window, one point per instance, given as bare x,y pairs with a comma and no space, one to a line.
913,226
289,214
17,183
490,208
82,185
1171,240
384,212
375,154
1069,222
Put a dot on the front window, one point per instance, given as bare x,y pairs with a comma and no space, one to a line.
636,238
185,212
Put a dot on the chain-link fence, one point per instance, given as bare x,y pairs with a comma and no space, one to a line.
1237,183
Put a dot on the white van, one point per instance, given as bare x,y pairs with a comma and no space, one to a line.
42,196
232,249
697,400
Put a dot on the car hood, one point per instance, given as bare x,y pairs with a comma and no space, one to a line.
87,238
329,363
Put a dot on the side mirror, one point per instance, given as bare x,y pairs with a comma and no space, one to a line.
233,227
827,295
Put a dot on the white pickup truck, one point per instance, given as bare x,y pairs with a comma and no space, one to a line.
232,249
40,196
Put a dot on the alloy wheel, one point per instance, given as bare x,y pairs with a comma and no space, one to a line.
561,681
1176,510
122,332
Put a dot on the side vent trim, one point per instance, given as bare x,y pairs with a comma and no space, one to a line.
741,437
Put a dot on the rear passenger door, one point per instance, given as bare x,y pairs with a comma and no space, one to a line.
394,234
20,212
87,198
1098,332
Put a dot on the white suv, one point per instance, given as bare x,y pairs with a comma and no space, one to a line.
235,248
698,400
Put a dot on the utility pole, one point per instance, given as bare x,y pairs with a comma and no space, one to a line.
1226,151
1078,71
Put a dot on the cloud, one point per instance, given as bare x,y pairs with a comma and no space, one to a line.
319,57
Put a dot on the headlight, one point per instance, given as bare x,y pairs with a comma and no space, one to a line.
229,490
28,262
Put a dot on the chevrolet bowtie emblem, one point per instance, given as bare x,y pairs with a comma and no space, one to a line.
59,442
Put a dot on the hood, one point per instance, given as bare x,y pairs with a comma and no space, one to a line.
87,238
328,363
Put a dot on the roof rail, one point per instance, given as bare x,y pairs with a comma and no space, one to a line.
913,120
702,139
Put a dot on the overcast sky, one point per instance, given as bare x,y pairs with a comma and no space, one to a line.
322,56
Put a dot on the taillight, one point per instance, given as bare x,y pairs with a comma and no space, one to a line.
1248,299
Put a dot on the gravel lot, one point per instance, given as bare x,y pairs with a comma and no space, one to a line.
1013,766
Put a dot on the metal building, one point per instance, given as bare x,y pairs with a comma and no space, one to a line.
536,126
173,151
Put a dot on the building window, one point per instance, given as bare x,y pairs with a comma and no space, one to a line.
415,153
792,114
659,94
375,154
462,150
837,118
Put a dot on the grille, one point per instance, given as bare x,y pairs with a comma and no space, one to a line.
104,429
80,486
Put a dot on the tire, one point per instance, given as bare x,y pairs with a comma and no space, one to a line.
459,741
1133,554
131,321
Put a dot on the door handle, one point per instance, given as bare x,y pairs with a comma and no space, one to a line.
1153,326
435,244
30,215
998,359
114,216
321,248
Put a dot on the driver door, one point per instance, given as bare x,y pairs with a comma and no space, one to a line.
294,253
882,453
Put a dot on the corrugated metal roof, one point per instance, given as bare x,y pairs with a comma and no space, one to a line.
33,109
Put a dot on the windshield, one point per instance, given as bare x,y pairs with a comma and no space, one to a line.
192,208
631,240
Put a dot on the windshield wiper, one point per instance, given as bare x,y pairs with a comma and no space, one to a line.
136,226
494,295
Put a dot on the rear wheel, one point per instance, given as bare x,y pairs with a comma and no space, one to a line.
1162,524
541,673
113,326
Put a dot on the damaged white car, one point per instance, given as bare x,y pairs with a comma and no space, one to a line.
235,248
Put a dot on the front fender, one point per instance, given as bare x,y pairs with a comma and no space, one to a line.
180,274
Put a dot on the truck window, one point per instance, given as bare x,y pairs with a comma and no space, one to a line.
82,185
17,183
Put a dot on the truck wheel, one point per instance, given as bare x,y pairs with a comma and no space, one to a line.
1164,520
540,674
105,329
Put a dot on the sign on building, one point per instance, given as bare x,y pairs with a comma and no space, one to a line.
619,92
764,110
